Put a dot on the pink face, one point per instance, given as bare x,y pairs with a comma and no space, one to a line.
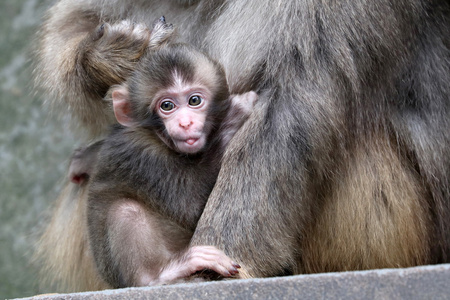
183,110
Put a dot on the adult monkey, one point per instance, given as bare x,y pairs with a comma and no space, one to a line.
345,162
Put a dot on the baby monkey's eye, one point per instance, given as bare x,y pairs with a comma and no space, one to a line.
167,106
195,100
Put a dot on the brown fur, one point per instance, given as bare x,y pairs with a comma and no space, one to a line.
386,212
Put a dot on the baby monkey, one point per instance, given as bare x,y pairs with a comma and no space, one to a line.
155,171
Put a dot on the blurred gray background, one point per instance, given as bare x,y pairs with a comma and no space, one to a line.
34,149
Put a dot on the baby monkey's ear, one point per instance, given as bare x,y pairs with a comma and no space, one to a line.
121,104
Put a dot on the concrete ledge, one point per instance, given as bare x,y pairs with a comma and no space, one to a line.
426,282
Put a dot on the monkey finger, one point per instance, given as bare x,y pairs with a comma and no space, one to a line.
138,30
100,31
214,259
200,263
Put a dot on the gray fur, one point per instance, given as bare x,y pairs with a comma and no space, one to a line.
345,162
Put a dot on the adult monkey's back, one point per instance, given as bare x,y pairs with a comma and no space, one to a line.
345,163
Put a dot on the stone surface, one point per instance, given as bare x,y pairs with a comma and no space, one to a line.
427,282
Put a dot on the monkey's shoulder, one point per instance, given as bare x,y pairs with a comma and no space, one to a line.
126,149
136,154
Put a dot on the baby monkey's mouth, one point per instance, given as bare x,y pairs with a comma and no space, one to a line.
191,141
190,145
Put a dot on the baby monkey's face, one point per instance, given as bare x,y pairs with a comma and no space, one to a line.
183,108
